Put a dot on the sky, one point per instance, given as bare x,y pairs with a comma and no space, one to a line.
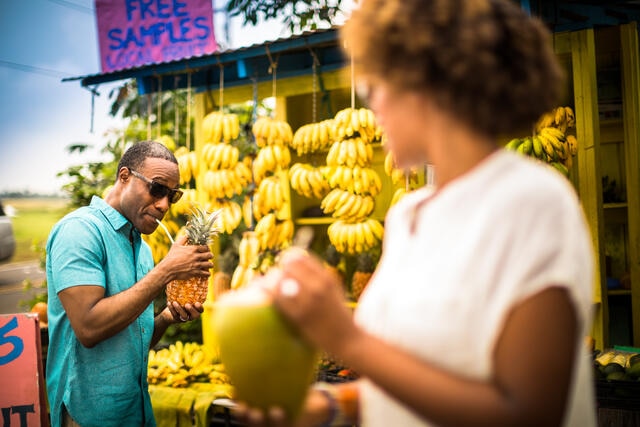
42,42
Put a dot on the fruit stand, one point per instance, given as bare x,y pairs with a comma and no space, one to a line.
322,164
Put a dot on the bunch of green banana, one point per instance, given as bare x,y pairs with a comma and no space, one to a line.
355,237
355,151
181,364
218,126
230,214
270,159
346,205
350,122
188,164
222,183
273,233
308,181
358,180
313,137
268,131
549,145
270,196
220,156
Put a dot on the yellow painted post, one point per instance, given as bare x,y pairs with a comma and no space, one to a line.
583,58
630,61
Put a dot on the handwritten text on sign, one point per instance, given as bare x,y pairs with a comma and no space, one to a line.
133,33
21,376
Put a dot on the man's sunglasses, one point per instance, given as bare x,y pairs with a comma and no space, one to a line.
158,190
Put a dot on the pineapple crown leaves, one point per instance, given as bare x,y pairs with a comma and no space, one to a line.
201,226
332,256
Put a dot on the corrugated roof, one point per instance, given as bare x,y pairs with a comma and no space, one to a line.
293,55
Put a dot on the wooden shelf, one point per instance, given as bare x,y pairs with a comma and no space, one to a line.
314,221
618,205
616,292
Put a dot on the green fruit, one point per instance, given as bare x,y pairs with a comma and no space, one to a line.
611,368
268,363
616,376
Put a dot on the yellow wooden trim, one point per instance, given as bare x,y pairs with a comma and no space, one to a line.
630,62
583,57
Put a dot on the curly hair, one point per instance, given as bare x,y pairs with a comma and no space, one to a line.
139,152
485,61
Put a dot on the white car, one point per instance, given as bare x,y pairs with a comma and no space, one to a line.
7,239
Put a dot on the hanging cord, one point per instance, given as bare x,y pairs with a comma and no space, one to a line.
353,85
176,110
159,108
189,111
314,84
149,111
272,70
221,85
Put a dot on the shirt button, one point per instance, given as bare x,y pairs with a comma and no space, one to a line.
143,330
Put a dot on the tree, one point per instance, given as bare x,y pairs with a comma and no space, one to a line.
298,15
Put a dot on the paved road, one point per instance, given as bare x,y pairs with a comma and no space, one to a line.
12,292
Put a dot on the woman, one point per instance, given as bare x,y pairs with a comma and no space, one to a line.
478,309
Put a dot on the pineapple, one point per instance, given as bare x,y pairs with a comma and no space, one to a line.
200,228
365,265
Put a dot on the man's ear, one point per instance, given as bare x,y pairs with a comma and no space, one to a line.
123,174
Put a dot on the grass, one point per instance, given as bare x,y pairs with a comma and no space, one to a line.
34,218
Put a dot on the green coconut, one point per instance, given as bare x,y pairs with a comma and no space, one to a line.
269,364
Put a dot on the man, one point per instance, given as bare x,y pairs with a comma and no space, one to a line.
102,283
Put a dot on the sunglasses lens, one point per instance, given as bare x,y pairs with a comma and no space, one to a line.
175,196
158,190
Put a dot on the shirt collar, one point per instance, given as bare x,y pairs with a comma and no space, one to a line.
115,218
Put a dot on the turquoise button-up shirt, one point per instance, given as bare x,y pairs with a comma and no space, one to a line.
105,385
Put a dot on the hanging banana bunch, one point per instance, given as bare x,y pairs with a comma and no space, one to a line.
553,141
353,183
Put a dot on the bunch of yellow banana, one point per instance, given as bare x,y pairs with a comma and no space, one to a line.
248,249
398,175
241,276
355,151
346,205
218,126
181,364
562,118
183,207
397,195
355,237
308,181
273,233
313,137
188,164
222,183
358,180
230,214
268,131
350,122
270,159
220,156
270,196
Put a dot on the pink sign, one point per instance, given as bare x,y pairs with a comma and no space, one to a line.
22,401
133,33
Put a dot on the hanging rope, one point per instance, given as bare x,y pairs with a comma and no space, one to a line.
149,111
176,111
314,84
273,65
221,85
189,111
159,108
